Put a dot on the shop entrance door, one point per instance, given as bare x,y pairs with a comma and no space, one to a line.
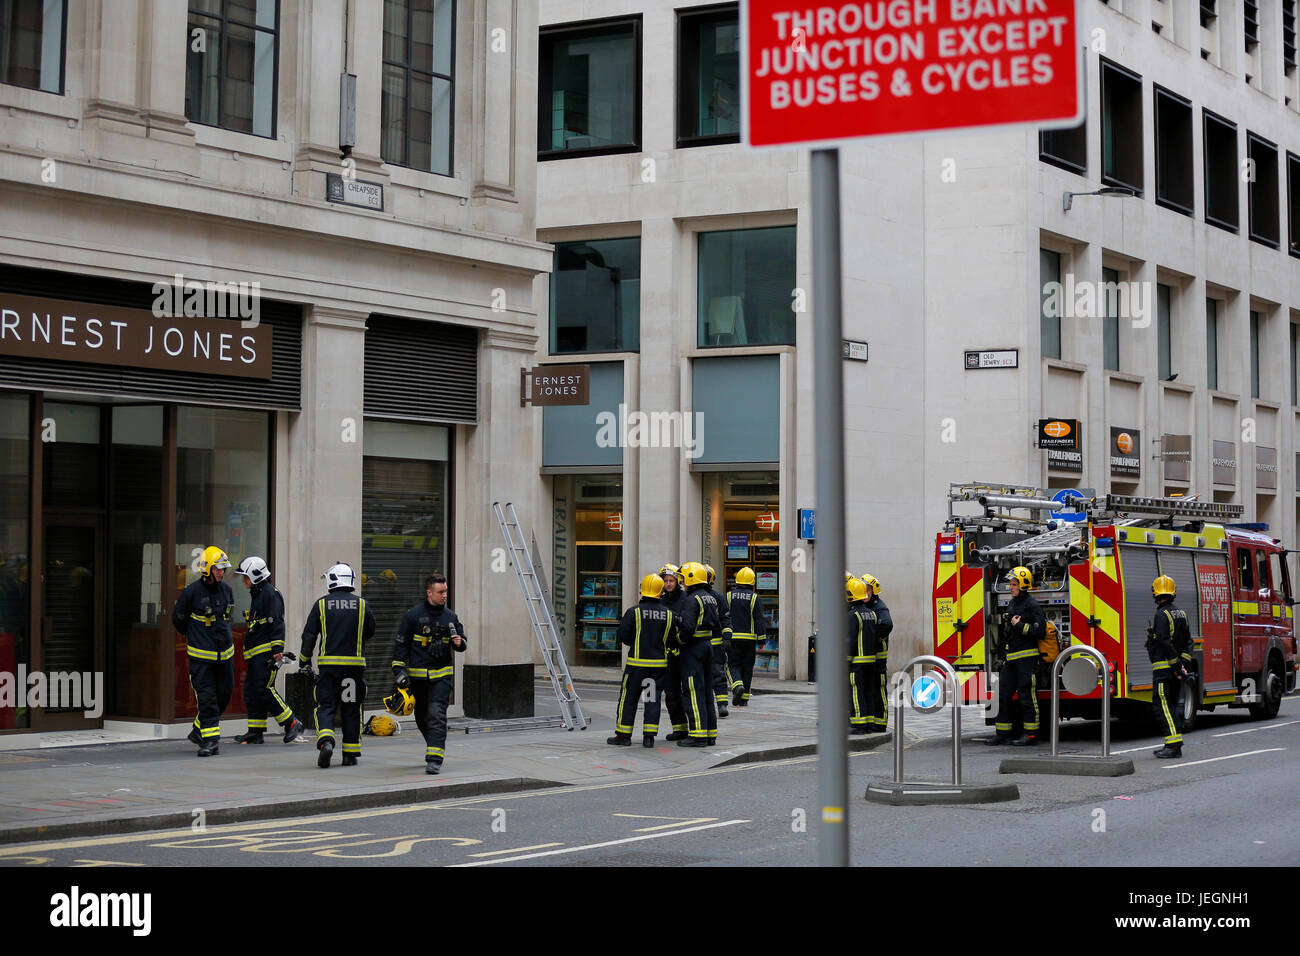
72,629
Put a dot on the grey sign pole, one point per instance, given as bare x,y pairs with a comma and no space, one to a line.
828,464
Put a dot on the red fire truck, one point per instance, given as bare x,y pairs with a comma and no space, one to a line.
1093,570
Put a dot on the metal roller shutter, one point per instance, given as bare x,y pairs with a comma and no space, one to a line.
1180,565
282,391
1139,571
421,371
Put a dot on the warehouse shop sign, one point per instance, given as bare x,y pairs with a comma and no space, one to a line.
69,331
555,385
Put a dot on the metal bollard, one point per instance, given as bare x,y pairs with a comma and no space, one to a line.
1100,659
953,688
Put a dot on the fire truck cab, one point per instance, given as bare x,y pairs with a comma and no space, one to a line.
1092,578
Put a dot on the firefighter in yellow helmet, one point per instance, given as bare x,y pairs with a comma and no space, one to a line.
674,598
863,647
699,626
877,705
1025,626
749,626
643,631
202,614
1169,647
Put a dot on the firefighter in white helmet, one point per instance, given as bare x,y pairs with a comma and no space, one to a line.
263,651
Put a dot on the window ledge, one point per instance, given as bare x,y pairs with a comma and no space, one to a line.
713,351
1178,387
1112,374
1265,403
1065,366
581,358
246,144
412,178
1226,396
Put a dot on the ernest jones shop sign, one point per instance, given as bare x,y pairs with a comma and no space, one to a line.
112,335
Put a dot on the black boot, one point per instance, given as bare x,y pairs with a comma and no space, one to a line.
722,709
195,737
996,740
349,760
1170,750
432,767
620,740
739,701
677,735
1028,740
648,741
211,747
252,737
712,741
859,729
326,752
692,742
295,730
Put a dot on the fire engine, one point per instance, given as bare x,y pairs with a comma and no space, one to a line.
1093,569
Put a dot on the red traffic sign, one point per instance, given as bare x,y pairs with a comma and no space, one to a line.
821,74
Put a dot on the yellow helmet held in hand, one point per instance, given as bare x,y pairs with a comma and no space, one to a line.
695,573
381,725
401,702
213,558
854,590
870,581
745,576
652,586
1163,586
1022,575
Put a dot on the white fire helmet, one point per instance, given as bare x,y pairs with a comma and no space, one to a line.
340,576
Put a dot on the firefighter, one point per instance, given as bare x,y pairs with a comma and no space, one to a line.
863,646
202,614
1169,646
643,631
720,649
263,650
344,624
749,626
877,705
673,598
698,627
1026,626
423,661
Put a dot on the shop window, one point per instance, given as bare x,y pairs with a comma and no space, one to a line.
742,523
32,42
1174,177
589,86
708,79
1211,344
1066,148
1164,334
746,287
1121,127
596,296
417,101
1049,318
404,536
15,529
1220,172
231,61
1261,191
1110,321
588,593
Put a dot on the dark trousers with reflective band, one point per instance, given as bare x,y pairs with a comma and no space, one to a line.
1019,677
701,708
1164,699
673,692
741,660
431,697
260,695
344,689
859,694
877,703
213,683
721,673
640,683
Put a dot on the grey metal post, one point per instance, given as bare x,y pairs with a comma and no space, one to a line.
828,464
952,686
896,702
1100,659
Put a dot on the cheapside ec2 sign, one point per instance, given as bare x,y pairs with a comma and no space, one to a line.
817,74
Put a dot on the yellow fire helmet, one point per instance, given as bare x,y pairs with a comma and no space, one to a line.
870,581
401,703
745,576
694,573
381,725
1023,575
213,558
1162,586
672,569
713,575
854,590
652,586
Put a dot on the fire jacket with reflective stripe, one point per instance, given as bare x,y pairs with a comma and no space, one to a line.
748,619
202,614
343,623
643,629
424,645
864,639
699,617
724,616
1169,641
265,622
884,627
1022,639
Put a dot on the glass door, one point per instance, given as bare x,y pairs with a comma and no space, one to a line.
72,635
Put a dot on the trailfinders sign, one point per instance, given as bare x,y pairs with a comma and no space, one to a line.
816,75
112,335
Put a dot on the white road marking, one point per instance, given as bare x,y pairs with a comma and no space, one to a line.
1234,733
599,846
518,849
1249,753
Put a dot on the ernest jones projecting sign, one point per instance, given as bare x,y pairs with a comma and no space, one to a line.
112,335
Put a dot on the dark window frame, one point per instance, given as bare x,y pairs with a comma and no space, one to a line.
695,17
224,21
553,348
581,30
1250,23
1160,96
701,318
1288,36
407,71
1212,353
1293,203
1208,118
1254,140
1164,333
1110,327
1256,321
63,62
1111,69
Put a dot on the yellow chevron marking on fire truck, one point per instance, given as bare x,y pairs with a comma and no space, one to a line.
973,655
972,602
946,570
1108,616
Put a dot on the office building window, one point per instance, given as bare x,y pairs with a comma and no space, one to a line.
746,284
1294,401
708,79
417,102
1209,12
1164,335
1121,127
1250,9
1254,354
589,89
1174,177
31,43
231,62
1049,317
596,296
1261,190
1066,148
1110,320
1293,203
1211,344
1288,36
1220,172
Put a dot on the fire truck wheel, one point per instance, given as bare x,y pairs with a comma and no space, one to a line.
1191,695
1270,691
